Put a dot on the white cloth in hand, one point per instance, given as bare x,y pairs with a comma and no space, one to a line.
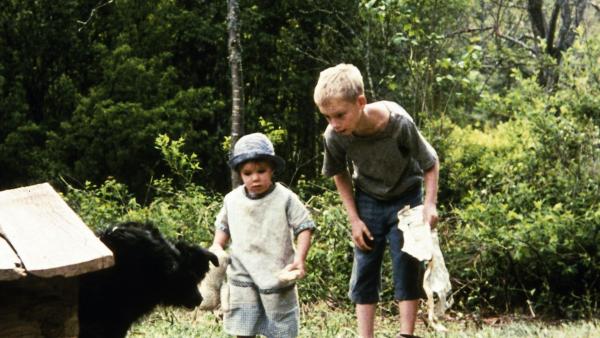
436,281
417,234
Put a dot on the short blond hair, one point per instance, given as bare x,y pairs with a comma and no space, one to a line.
343,81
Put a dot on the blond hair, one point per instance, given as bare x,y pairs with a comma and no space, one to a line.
343,81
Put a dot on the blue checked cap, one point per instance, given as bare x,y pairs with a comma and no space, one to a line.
255,147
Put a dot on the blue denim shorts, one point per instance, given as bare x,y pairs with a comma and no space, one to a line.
381,217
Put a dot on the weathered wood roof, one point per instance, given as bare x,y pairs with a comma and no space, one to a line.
41,235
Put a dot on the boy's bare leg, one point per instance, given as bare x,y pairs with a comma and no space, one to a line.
365,315
408,315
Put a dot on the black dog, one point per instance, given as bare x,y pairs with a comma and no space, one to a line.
149,270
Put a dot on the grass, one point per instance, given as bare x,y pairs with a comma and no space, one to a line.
319,320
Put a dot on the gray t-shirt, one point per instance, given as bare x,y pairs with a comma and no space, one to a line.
385,164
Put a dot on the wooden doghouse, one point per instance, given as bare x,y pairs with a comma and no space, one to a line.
44,245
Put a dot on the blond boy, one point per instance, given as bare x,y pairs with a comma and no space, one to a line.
392,162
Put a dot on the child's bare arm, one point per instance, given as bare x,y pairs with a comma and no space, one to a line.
297,269
430,179
221,238
360,231
302,245
303,241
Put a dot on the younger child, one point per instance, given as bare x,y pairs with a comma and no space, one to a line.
260,219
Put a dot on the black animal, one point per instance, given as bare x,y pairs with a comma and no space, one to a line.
149,270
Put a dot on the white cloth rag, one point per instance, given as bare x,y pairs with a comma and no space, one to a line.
417,234
423,243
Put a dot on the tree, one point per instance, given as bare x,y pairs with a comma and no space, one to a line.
237,89
542,35
557,39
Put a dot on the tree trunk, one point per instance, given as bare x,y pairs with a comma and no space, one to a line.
555,45
536,16
237,89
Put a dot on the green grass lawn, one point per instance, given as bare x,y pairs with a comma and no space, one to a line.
319,320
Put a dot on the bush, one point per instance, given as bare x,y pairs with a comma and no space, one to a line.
180,208
523,228
329,261
519,205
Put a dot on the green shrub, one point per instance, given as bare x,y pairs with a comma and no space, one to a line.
523,228
180,208
329,261
520,215
101,206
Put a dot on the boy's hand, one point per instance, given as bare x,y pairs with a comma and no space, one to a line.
361,236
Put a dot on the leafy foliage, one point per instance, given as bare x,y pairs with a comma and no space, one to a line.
525,209
87,97
179,210
330,257
86,89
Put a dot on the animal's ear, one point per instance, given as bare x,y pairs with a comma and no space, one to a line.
211,257
196,253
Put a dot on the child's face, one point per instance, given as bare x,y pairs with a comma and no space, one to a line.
257,176
343,115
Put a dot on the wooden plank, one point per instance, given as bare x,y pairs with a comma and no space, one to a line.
49,237
10,264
